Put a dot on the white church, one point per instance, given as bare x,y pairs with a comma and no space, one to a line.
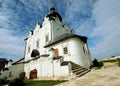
53,50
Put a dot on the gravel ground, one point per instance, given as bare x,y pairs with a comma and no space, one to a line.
109,75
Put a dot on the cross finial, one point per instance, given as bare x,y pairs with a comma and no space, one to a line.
52,7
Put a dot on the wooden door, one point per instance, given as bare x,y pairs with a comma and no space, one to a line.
33,74
56,52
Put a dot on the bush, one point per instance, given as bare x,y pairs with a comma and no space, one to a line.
16,82
97,64
22,75
4,81
118,59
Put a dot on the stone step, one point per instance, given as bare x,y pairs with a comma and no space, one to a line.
83,73
75,64
80,71
77,69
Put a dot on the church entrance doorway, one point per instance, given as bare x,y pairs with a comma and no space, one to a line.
33,74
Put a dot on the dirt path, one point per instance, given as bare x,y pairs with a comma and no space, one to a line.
109,76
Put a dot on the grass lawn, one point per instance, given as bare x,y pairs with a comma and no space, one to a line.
42,82
113,60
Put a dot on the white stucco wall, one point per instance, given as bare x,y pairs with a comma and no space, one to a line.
75,51
46,68
13,71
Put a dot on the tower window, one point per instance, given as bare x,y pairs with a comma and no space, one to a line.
84,50
65,49
47,38
37,44
28,50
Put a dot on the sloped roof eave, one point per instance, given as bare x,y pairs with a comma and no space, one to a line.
83,38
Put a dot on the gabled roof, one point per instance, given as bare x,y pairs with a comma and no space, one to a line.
64,37
19,61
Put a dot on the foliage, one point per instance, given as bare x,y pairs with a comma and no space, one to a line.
3,59
97,64
118,59
3,81
113,60
43,82
23,82
16,82
22,75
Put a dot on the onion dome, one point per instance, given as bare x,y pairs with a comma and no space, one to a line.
52,13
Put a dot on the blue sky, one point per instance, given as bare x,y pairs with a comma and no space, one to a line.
99,20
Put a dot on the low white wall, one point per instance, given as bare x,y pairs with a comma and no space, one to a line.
46,68
13,72
60,70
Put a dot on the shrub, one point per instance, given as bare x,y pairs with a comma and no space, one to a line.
16,82
22,75
4,81
118,59
97,64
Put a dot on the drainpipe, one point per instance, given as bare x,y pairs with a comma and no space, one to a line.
41,68
53,67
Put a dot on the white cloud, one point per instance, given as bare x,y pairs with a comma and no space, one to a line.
106,14
11,45
16,18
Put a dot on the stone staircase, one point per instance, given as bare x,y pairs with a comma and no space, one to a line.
78,70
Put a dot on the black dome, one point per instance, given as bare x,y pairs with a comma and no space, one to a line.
53,13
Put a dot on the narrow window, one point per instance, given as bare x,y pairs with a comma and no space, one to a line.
65,49
46,38
28,50
37,44
84,50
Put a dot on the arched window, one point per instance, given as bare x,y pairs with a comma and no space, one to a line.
35,53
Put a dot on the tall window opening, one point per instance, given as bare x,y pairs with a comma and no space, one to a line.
47,38
37,44
84,50
65,50
28,51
